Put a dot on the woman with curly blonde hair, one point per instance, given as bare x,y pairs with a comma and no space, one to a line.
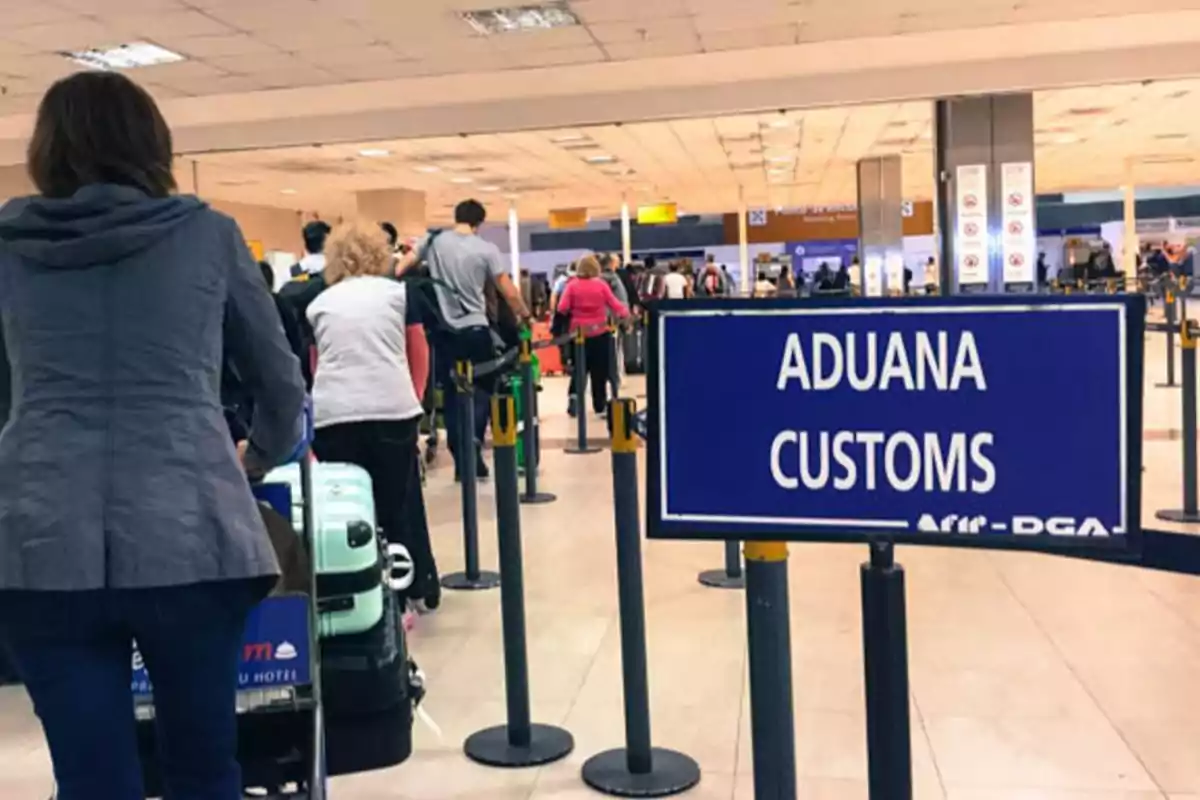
372,369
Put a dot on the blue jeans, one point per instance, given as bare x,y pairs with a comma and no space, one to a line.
73,650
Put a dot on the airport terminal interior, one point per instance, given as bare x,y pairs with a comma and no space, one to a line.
924,148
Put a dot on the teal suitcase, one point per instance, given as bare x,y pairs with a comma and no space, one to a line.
349,558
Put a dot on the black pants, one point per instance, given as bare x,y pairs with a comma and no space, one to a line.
387,450
73,651
598,354
474,345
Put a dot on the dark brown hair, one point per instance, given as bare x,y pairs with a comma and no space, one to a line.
100,127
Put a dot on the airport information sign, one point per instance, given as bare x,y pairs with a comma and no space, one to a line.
968,420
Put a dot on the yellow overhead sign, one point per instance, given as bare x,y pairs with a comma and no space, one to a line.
568,218
658,214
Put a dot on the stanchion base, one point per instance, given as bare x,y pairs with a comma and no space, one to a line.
1167,385
1178,515
670,773
491,747
720,579
460,582
538,499
575,451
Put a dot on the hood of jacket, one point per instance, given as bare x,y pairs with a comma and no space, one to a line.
99,224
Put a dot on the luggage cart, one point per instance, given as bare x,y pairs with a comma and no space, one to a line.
281,725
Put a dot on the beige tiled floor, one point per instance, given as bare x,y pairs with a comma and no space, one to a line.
1032,678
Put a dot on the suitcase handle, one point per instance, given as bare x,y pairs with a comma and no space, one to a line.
399,572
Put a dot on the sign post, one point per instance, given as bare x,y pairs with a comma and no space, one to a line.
891,421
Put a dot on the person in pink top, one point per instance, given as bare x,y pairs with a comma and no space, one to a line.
587,300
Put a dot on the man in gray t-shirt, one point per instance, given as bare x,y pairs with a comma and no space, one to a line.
463,264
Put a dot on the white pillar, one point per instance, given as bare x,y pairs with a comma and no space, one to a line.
1129,238
743,243
514,242
626,235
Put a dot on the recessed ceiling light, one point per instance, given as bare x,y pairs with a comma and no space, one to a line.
374,152
512,196
603,158
569,137
462,179
786,159
489,188
521,18
288,191
782,123
428,168
123,56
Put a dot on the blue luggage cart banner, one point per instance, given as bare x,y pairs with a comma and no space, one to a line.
275,650
995,421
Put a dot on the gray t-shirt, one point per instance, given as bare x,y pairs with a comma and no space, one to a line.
463,262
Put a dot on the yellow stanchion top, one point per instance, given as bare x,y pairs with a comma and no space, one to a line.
504,421
465,370
526,353
623,440
580,336
766,551
1186,340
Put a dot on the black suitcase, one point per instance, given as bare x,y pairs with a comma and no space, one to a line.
634,345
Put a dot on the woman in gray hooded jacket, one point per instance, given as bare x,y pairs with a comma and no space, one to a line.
124,511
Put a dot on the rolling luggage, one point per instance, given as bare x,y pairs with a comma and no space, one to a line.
349,563
634,344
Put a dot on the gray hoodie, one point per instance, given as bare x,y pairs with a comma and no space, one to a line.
116,467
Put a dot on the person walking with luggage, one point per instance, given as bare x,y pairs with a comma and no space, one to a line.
587,301
464,264
372,369
124,511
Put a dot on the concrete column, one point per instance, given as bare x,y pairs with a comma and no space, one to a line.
403,208
514,242
743,243
984,172
881,226
626,234
1130,240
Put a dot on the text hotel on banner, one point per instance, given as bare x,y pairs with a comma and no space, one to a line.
1019,236
971,245
911,419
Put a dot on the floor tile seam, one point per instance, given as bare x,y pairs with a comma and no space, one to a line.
1087,689
937,768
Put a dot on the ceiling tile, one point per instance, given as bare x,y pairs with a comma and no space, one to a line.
549,58
294,77
631,51
749,38
74,34
595,11
170,23
380,71
310,36
643,30
257,62
337,56
222,84
237,44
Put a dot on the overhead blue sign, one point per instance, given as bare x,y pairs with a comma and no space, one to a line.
275,651
1002,421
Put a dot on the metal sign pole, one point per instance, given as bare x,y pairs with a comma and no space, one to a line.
885,664
1169,310
768,630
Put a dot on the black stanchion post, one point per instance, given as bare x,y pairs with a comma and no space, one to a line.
1169,310
614,368
1190,512
519,742
885,663
529,438
768,630
638,769
471,578
731,577
580,377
